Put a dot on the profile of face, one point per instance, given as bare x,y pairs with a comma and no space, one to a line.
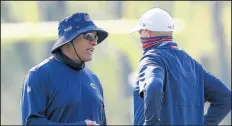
144,33
84,45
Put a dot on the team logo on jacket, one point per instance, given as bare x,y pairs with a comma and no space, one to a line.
93,85
28,89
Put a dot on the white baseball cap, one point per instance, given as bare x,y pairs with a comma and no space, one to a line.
155,19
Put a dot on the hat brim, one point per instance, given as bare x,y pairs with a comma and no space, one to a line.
102,35
136,29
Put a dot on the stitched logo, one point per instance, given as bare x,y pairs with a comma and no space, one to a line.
87,18
28,89
93,85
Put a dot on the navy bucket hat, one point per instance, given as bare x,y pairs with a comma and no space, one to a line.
72,26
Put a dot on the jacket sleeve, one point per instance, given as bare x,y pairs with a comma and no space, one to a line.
103,116
219,97
138,106
151,78
33,102
104,122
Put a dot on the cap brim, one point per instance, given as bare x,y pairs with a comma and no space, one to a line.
136,29
102,35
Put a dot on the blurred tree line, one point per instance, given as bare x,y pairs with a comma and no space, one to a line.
37,11
23,11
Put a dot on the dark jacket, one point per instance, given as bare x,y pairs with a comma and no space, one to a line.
174,88
55,93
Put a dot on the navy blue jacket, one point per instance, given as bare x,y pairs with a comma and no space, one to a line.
55,94
174,88
138,106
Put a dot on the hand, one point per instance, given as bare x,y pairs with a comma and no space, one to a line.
90,123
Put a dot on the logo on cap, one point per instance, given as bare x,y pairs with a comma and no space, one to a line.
171,27
87,18
68,28
144,25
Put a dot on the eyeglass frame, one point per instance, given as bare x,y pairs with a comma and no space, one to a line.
90,36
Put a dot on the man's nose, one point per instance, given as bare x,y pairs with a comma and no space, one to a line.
94,43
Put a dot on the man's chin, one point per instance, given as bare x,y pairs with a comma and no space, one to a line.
88,59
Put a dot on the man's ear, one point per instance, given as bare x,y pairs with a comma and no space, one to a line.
148,33
68,45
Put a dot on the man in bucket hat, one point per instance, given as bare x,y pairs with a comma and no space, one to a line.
60,90
172,87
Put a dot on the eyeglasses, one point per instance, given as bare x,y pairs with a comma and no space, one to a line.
91,36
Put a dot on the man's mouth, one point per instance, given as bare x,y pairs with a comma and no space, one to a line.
91,50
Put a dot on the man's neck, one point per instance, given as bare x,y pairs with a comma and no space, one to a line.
154,41
68,61
76,60
72,56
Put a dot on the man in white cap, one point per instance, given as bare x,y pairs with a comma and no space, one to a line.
172,87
